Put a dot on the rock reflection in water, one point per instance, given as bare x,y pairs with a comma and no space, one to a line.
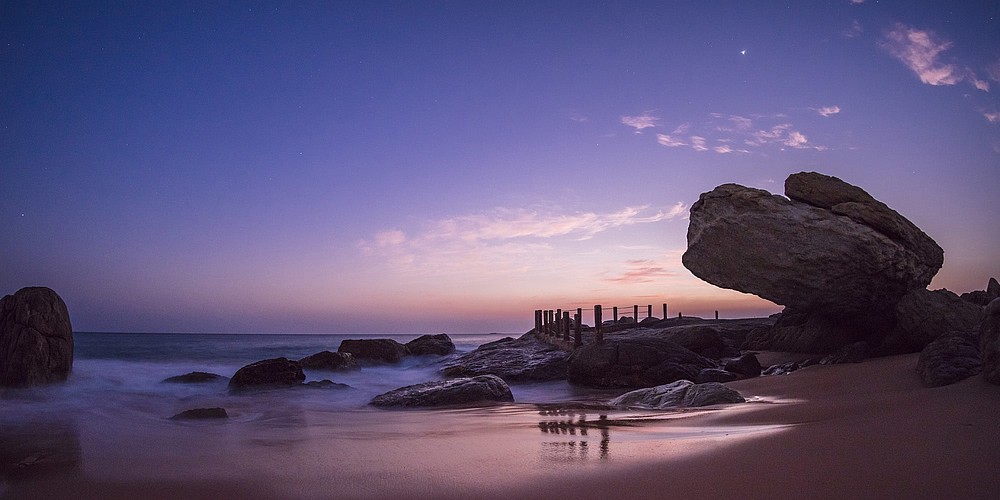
568,422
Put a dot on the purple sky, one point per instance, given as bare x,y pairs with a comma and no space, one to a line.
451,166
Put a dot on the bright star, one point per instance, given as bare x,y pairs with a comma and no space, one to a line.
743,52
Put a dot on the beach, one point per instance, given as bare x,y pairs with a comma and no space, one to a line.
866,430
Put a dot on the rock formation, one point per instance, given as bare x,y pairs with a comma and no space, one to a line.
330,361
457,391
924,315
376,350
36,338
201,414
679,394
440,345
276,372
195,378
948,359
829,251
525,359
989,342
634,362
984,297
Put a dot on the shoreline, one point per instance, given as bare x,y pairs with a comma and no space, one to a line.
867,430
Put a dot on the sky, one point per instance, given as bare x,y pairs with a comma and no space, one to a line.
398,167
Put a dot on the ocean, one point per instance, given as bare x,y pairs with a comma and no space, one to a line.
110,423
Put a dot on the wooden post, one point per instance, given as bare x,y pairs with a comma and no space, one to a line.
635,314
649,310
565,332
548,322
678,315
558,329
615,309
664,310
578,337
599,332
716,314
538,321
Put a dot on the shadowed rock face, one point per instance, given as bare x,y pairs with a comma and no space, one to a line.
989,346
948,359
276,372
440,345
831,248
634,362
458,391
518,360
331,361
679,394
377,350
36,338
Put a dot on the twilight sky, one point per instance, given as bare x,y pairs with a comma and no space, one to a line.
451,166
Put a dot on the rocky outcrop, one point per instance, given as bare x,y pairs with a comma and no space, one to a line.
746,366
325,384
801,331
276,372
679,394
948,359
201,414
634,362
984,297
924,315
440,345
195,378
375,350
330,361
36,338
525,359
457,391
989,342
829,251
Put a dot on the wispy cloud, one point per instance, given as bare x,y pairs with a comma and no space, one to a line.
992,116
922,51
854,30
641,271
669,141
827,111
640,122
501,238
856,2
698,143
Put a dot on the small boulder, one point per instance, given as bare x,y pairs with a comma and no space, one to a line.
325,384
440,345
36,338
195,378
781,369
923,315
716,375
989,342
746,366
948,359
276,372
679,394
457,391
330,361
376,350
201,414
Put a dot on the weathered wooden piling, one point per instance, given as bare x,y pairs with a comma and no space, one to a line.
598,331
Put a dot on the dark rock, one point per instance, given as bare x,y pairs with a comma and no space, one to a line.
330,361
36,338
634,362
948,359
716,375
800,331
989,342
924,315
201,414
195,378
746,366
440,345
277,372
854,353
679,394
525,359
456,391
325,384
377,350
983,297
829,250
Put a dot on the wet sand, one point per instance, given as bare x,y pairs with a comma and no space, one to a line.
866,430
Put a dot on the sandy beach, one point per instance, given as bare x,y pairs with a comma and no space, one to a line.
867,430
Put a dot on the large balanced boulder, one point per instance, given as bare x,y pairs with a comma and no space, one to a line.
525,359
828,249
989,342
634,362
375,350
456,391
276,372
679,394
440,344
36,338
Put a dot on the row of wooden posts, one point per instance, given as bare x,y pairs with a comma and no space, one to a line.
557,323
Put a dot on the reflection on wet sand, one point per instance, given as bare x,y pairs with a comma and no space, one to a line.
568,422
